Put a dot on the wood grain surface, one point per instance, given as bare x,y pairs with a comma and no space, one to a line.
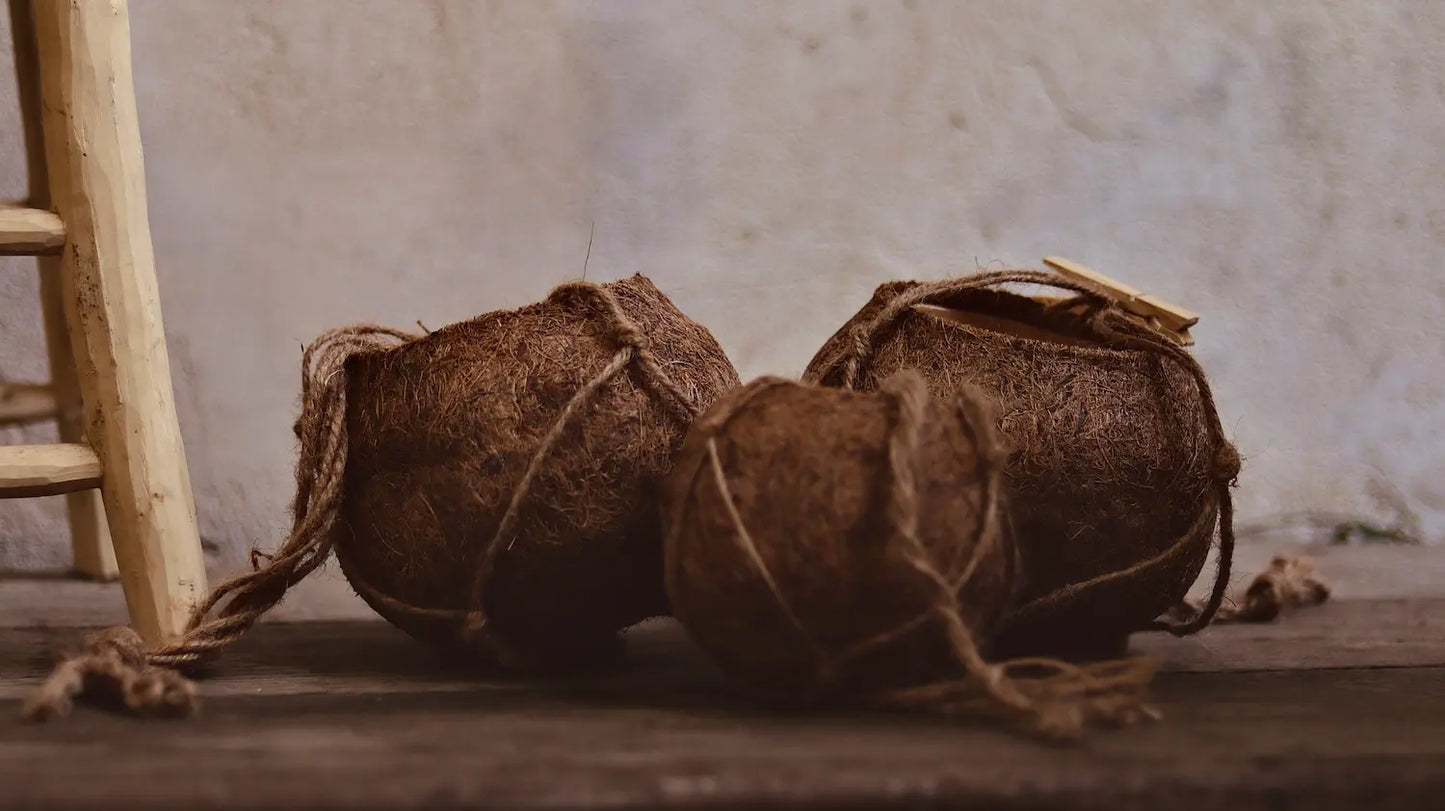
1333,707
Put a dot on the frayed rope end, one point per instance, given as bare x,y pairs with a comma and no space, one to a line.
112,670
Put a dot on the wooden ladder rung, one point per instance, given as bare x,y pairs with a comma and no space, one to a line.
29,231
27,471
22,403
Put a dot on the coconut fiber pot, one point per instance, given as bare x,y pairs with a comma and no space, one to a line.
1118,472
809,530
501,477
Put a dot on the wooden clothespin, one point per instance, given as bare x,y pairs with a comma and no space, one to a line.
1169,320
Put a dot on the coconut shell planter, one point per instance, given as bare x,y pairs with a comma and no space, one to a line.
835,546
1118,473
501,472
806,528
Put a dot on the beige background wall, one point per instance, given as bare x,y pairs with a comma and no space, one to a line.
1275,166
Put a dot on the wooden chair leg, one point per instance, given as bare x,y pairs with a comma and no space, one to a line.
112,306
90,540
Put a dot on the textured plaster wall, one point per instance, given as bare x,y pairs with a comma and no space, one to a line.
1274,166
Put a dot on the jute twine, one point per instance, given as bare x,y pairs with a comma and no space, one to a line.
117,661
1050,697
1110,323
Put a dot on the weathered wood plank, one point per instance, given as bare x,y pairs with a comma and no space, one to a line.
370,657
356,715
1321,740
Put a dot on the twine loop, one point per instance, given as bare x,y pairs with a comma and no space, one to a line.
630,336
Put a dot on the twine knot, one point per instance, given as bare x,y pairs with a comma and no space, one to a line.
124,643
862,337
112,668
627,334
1226,464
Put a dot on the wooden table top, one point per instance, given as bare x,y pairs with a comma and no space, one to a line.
1339,706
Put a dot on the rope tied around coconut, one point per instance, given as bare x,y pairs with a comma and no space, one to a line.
116,661
632,347
1058,702
1109,322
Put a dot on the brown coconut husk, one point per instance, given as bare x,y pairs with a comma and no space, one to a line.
825,545
489,487
507,466
1120,471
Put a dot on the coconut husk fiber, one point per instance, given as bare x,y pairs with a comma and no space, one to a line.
1119,471
490,487
475,441
826,545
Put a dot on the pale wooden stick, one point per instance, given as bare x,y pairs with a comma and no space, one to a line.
28,471
22,403
92,554
28,231
112,302
91,547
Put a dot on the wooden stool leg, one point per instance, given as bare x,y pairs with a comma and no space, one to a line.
97,182
89,534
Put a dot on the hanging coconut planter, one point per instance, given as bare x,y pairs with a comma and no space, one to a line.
502,472
1118,472
836,546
